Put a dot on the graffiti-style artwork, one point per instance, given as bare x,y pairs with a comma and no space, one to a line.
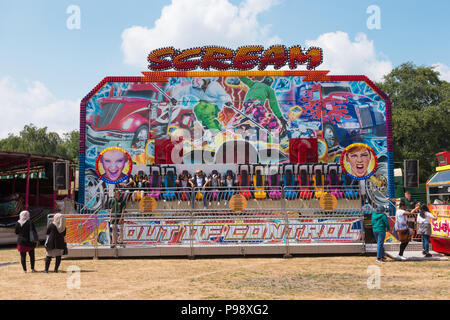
87,230
440,227
214,115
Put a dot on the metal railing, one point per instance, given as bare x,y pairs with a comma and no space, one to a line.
195,218
210,200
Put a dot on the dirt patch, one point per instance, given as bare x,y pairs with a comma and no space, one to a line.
228,279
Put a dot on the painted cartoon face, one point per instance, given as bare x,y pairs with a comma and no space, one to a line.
197,82
113,162
359,159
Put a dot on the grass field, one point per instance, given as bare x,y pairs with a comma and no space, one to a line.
271,278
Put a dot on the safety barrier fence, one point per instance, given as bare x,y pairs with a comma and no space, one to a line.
212,217
218,199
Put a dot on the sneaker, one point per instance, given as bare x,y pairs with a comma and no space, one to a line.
399,257
380,261
384,259
428,255
424,252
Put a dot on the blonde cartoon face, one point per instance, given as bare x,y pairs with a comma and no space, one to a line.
113,162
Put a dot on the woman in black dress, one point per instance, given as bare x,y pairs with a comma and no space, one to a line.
55,243
27,239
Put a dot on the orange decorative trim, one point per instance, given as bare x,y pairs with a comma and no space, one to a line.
162,76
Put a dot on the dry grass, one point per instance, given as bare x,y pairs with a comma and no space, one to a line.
228,279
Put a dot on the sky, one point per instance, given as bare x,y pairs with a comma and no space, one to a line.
53,53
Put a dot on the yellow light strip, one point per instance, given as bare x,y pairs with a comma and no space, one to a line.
443,168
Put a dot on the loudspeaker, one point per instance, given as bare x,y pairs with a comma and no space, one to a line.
60,175
411,173
48,171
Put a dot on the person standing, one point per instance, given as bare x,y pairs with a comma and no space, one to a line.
401,227
55,242
27,239
117,207
380,225
409,203
424,228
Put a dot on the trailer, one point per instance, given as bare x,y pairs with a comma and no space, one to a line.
438,200
26,183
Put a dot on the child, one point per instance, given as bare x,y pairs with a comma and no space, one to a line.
424,228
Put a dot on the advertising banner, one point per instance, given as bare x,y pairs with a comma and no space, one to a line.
261,231
440,228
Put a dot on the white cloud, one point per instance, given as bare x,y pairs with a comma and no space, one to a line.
347,57
37,105
444,71
184,24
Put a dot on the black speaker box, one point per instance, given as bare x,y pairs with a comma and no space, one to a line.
60,176
411,173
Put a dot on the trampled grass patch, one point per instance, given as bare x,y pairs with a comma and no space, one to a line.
231,278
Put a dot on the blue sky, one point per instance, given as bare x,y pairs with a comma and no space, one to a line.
47,68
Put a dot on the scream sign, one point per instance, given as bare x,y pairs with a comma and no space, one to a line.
244,58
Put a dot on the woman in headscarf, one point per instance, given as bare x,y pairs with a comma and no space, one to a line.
27,239
55,241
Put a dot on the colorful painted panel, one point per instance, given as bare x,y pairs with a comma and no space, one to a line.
87,230
217,117
441,226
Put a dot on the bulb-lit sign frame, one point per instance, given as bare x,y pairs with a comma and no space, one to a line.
125,165
243,58
359,161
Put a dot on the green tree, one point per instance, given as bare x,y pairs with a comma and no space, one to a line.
37,140
420,115
70,144
411,87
